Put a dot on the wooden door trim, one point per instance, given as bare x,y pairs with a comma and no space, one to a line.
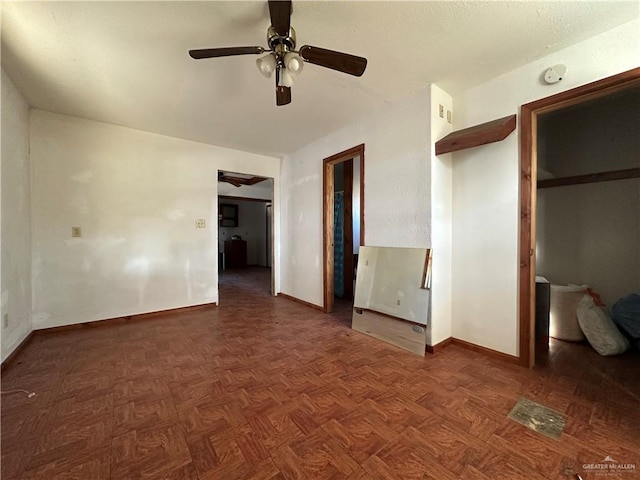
528,176
327,217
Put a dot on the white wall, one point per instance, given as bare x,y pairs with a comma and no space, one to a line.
136,197
439,328
15,282
252,227
486,183
397,190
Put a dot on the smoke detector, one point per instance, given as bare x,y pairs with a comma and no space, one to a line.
555,74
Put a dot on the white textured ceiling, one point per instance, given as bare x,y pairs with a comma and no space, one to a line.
126,63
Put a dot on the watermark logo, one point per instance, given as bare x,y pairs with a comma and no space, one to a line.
609,466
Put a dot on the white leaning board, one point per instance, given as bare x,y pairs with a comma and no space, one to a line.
411,337
390,303
389,281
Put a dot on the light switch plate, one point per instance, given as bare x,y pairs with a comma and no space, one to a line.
200,223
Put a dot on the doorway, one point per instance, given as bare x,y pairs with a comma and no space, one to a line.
245,236
342,239
528,192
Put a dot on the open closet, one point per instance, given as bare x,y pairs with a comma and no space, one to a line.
587,212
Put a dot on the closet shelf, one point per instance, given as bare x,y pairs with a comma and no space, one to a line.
591,178
475,136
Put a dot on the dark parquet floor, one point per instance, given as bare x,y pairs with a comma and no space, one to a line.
264,388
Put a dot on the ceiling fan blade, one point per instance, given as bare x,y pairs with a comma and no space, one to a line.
342,62
280,13
283,96
224,52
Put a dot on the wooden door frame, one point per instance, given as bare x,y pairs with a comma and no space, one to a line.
327,216
528,195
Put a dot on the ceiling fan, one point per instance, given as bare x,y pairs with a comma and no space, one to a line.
239,181
282,56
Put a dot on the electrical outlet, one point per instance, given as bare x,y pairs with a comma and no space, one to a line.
76,232
441,111
5,320
397,302
449,116
200,223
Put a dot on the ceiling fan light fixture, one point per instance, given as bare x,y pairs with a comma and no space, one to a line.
266,65
286,78
294,63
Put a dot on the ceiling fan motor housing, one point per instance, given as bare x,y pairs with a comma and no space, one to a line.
280,44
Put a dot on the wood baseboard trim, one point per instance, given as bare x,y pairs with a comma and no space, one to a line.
438,346
123,320
302,302
12,356
486,351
